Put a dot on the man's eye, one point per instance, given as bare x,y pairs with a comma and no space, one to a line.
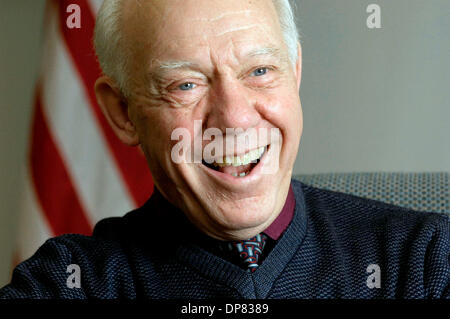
259,71
187,86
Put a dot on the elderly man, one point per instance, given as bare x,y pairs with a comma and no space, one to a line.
229,222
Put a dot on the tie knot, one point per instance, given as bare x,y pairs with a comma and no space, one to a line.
249,250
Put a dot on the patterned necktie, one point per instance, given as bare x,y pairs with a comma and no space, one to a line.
249,250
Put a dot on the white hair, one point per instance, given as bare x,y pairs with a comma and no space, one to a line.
114,58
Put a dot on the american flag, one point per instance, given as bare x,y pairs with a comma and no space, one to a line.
77,171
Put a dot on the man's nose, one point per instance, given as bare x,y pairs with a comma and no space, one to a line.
232,106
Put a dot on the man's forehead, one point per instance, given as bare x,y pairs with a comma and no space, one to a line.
160,6
225,15
158,13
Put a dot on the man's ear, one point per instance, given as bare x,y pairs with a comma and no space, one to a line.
298,67
115,109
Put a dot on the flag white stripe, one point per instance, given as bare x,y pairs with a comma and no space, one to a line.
77,135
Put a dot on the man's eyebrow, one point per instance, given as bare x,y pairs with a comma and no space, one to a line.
170,65
266,51
161,68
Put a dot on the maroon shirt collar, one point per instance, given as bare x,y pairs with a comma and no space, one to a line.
280,224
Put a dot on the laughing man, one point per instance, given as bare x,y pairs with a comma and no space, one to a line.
224,225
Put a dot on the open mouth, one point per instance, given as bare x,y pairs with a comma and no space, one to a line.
238,166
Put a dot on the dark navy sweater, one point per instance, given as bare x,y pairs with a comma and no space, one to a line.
324,253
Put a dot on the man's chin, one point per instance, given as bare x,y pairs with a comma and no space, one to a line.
245,216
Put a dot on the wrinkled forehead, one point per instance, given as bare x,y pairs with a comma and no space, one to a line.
169,23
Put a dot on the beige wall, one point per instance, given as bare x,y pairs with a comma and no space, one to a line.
373,100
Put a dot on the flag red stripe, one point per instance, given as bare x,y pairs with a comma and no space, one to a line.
54,190
130,161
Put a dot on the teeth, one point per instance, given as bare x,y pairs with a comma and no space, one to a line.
250,157
241,174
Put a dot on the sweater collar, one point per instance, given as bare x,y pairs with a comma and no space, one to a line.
193,254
